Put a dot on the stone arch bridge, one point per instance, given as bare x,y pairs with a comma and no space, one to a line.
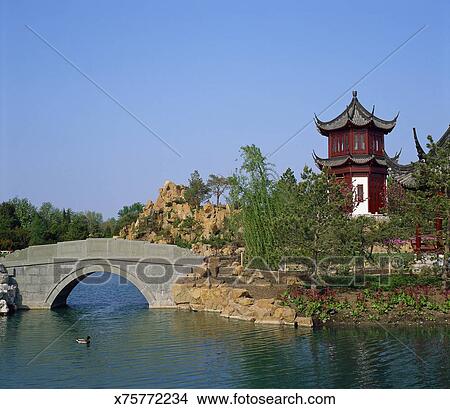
45,275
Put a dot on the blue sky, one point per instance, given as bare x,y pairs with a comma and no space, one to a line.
208,77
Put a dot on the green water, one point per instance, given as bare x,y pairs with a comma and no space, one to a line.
134,347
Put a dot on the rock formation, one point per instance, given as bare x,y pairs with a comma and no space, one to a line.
171,220
7,292
3,307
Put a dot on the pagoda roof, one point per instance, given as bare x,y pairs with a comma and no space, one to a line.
348,159
404,174
444,138
440,142
355,114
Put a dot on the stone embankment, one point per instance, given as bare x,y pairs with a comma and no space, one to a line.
7,292
235,303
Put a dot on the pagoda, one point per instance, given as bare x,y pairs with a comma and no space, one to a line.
356,154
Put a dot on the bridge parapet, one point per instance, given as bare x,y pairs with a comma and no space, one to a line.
96,248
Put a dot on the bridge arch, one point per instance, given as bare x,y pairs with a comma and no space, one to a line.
57,296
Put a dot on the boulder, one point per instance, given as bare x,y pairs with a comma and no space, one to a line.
214,299
245,301
238,270
285,314
293,280
239,293
266,303
197,307
3,307
198,271
304,322
208,209
181,294
257,275
227,312
196,294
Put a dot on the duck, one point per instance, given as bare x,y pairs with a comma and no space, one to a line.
86,340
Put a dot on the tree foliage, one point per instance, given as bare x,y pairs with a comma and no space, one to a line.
252,191
427,201
217,186
23,224
128,215
310,217
197,190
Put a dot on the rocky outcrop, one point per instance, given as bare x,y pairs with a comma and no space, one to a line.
236,303
171,220
7,292
3,307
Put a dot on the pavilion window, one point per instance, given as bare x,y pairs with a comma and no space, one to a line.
359,140
360,193
377,142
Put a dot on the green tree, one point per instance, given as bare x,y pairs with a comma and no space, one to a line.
47,225
197,190
78,228
427,200
361,234
128,215
12,235
287,182
433,193
109,227
25,211
95,221
217,185
320,216
251,190
288,222
433,180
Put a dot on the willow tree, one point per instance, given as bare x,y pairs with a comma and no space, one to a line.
251,190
